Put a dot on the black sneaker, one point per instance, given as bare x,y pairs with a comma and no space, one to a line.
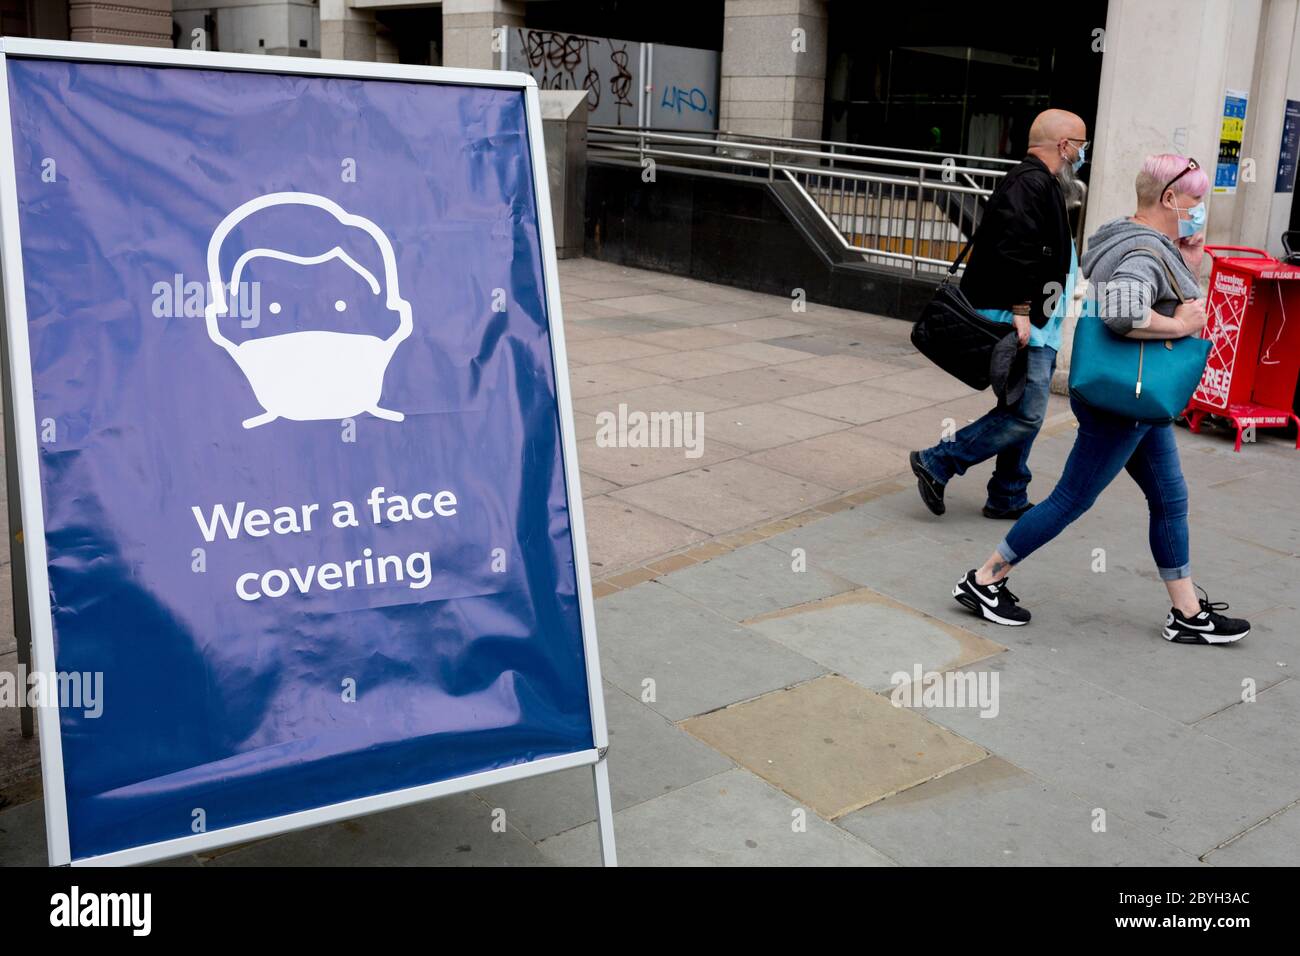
931,488
1010,514
1206,627
994,601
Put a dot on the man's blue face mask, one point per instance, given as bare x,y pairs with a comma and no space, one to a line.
1080,159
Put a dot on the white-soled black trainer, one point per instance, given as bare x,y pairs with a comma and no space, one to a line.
994,602
1207,626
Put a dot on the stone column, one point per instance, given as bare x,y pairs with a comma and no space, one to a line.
774,67
132,22
1155,98
1279,220
346,34
1260,218
468,28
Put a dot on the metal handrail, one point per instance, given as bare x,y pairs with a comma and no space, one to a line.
596,133
893,212
772,165
835,146
904,257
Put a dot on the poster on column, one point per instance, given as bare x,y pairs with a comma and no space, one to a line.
1232,132
1288,151
299,488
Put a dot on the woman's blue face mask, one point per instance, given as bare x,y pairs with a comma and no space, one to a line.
1195,221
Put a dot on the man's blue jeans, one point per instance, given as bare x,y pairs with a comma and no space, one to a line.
1104,444
1007,431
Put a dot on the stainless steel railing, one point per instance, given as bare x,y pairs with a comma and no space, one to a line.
894,207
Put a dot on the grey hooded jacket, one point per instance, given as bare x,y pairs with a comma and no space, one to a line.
1128,281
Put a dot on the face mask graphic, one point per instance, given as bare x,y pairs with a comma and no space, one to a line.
312,375
1080,159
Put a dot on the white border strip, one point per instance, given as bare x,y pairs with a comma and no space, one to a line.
23,405
568,436
22,402
569,458
362,806
256,63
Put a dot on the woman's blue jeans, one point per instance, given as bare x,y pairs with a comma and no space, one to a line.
1106,443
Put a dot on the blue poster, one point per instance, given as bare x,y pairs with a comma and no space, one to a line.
300,458
1232,133
1289,151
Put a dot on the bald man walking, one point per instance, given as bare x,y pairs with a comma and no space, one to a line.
1021,262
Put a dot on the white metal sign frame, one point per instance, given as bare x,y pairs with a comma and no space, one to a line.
22,404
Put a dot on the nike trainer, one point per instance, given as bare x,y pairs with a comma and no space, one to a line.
994,602
1206,627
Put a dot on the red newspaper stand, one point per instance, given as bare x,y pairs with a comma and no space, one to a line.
1253,325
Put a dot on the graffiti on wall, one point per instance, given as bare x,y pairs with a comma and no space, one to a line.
682,99
680,90
569,61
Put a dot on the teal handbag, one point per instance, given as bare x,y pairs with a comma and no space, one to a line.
1148,380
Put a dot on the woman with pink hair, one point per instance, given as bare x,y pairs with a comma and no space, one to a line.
1133,263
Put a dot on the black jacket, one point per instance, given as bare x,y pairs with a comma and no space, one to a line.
1022,244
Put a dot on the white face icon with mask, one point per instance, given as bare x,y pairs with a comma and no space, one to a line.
311,375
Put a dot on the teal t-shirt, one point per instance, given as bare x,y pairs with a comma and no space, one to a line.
1050,334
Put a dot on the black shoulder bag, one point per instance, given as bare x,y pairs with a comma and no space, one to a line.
978,351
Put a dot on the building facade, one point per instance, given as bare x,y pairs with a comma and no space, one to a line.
1148,75
133,22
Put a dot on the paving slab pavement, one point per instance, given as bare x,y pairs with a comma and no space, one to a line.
1272,842
797,407
753,581
648,757
994,814
871,638
1174,781
834,745
732,819
1264,724
452,831
683,659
